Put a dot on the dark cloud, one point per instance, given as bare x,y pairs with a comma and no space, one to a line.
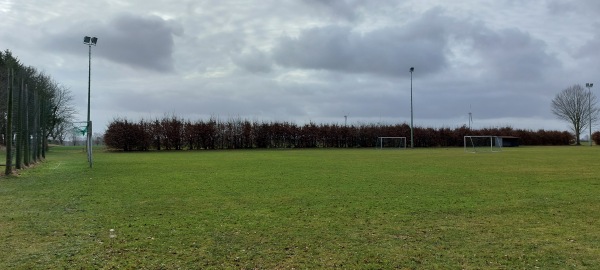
389,51
511,54
139,41
423,43
386,51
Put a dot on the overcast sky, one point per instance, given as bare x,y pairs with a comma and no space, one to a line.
313,60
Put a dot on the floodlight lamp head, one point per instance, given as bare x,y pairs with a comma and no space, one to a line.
90,40
412,69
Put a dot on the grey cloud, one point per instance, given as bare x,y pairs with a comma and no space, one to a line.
512,54
254,61
141,42
590,48
560,7
423,43
579,8
346,9
388,51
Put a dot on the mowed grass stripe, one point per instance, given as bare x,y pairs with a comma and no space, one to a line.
350,208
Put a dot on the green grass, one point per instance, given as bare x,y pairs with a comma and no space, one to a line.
523,208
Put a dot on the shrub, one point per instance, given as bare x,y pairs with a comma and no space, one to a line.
596,137
177,134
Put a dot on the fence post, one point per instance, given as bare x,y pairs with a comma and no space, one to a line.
9,132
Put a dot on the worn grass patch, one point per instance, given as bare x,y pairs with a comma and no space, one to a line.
426,208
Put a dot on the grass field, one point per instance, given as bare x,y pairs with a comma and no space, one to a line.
524,208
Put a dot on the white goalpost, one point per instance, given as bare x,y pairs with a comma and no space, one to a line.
391,142
474,144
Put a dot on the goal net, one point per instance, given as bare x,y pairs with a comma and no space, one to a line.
474,144
391,142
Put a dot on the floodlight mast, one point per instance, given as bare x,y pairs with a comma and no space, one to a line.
589,87
89,41
412,140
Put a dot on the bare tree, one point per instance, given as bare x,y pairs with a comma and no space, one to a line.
573,105
62,111
98,138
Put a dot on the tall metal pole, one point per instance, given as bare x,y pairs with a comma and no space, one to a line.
89,145
89,41
89,81
412,141
589,87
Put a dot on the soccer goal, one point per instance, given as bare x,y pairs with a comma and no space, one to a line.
474,144
391,142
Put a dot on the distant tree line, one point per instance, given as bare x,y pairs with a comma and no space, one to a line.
174,133
33,109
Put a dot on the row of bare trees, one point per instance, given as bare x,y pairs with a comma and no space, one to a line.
173,133
36,109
